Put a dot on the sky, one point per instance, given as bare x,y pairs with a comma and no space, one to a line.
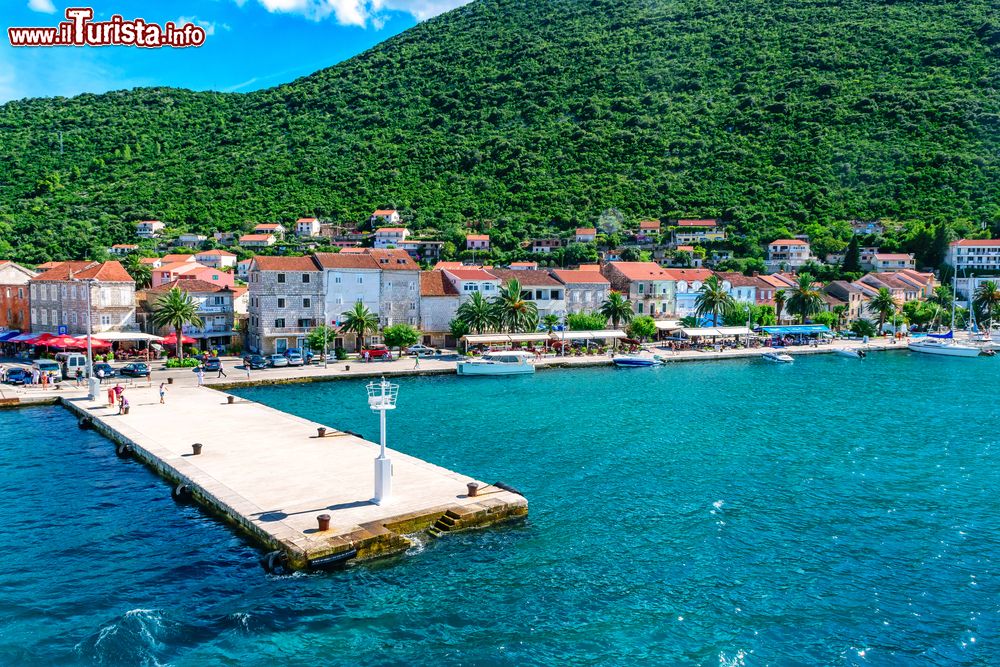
250,44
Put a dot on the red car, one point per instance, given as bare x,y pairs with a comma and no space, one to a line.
376,352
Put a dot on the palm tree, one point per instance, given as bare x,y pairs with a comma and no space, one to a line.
841,313
513,311
141,273
616,308
779,305
884,304
986,299
175,309
713,298
477,314
805,300
942,296
359,321
550,322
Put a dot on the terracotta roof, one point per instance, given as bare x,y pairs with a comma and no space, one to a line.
149,260
738,279
220,253
265,263
112,272
434,283
584,231
394,230
471,273
477,237
686,248
775,281
346,260
892,257
649,224
368,258
239,290
393,259
689,274
306,220
977,242
47,265
696,223
447,265
179,257
589,267
569,277
189,285
525,265
268,225
384,212
641,270
788,242
527,277
255,237
123,246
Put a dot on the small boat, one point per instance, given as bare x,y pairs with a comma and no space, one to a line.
943,347
635,361
777,357
498,363
851,354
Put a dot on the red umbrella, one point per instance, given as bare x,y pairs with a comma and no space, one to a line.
65,342
172,340
40,339
95,343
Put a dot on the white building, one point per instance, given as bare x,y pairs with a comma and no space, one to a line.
439,300
585,234
787,254
307,227
217,259
974,256
477,242
190,240
149,229
121,249
469,280
257,240
888,262
547,293
384,216
386,237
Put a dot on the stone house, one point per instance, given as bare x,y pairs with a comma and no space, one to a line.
649,287
14,302
585,290
438,306
59,298
286,302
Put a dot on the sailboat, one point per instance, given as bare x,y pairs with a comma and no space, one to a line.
945,344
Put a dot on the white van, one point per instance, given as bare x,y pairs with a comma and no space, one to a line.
70,362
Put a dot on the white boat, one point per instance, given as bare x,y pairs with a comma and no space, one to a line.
851,354
498,363
943,347
635,361
777,357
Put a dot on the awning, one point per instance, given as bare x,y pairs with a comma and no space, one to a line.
212,334
794,329
126,335
8,335
715,332
22,338
589,335
479,339
668,325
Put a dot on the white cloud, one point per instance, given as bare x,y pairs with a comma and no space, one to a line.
360,12
209,26
43,6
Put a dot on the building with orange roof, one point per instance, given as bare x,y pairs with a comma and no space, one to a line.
121,249
524,266
216,308
698,231
649,286
257,240
477,241
285,302
277,229
439,301
216,259
149,229
58,298
894,261
384,216
687,287
448,265
307,227
471,279
585,290
192,270
787,254
390,237
539,287
14,296
585,234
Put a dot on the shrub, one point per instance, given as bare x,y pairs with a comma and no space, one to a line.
188,362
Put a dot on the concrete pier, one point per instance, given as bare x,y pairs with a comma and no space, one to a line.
270,473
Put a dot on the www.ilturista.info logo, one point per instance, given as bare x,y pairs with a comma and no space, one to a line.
80,30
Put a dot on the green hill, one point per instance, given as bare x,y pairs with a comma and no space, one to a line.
781,115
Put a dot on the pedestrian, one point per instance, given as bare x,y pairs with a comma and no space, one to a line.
111,397
416,360
35,376
364,355
247,367
122,404
100,376
119,391
45,381
163,392
200,371
222,372
79,377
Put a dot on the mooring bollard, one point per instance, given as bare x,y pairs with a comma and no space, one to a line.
324,522
321,431
170,380
347,367
473,489
196,448
230,399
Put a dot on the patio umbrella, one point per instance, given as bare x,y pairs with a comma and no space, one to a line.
172,340
40,339
65,342
95,343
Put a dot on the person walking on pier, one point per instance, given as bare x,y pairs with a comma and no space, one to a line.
200,372
79,377
222,371
111,397
163,392
416,361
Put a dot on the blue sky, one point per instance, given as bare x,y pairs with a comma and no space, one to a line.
251,44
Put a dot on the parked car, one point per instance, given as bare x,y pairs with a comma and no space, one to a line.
108,370
212,365
17,376
294,358
134,370
277,360
420,350
377,352
255,361
306,355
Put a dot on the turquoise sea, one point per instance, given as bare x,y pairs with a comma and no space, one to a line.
827,512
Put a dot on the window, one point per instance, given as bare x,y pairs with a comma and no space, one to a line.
389,284
106,320
470,287
640,307
215,277
281,277
279,323
305,277
63,291
361,280
488,287
306,302
339,300
642,288
412,286
337,278
281,303
20,292
34,316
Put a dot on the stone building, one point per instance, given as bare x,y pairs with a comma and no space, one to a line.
286,302
216,305
650,287
14,302
438,307
59,298
585,290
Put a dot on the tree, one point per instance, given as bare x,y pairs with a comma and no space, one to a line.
141,273
863,327
400,336
825,317
884,305
852,258
942,296
841,313
477,314
321,337
805,299
512,311
175,309
986,299
642,327
617,309
586,321
713,298
458,328
360,321
550,322
779,304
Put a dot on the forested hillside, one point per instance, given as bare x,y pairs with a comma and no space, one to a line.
781,115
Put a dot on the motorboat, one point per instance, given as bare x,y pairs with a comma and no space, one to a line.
851,354
943,347
498,363
777,357
635,361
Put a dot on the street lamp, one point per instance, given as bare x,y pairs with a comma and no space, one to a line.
93,387
382,397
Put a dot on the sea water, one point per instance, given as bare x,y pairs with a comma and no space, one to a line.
830,511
